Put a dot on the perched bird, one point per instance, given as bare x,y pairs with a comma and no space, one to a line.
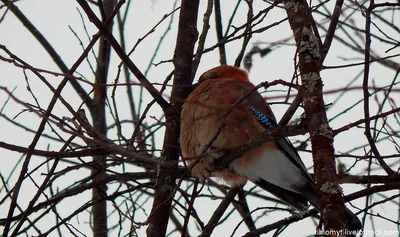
218,116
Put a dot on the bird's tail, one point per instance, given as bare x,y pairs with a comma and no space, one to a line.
353,223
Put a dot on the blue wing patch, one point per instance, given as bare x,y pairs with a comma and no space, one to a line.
264,120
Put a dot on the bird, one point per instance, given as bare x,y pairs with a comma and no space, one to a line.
225,111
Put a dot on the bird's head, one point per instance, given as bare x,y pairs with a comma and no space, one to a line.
221,72
225,72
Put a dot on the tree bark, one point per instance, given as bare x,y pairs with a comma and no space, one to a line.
166,186
321,134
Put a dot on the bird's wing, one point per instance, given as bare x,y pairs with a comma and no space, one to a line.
277,168
309,191
268,120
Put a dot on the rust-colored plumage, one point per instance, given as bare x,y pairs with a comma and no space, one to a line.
223,107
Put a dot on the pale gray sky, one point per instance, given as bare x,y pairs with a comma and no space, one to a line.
54,17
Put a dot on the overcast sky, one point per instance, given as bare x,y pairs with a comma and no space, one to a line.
56,18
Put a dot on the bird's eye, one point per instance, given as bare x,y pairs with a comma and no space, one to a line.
213,76
209,75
